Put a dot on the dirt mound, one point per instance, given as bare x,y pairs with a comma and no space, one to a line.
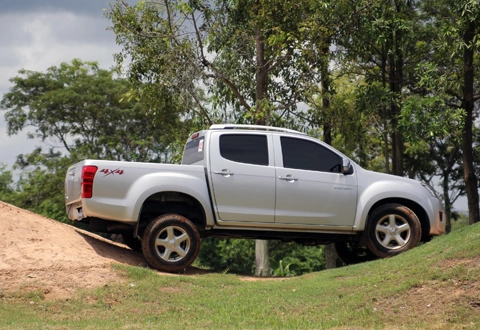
40,253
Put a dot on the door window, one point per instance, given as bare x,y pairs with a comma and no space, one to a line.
307,155
244,148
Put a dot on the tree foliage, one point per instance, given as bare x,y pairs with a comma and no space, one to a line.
256,58
81,111
380,44
81,108
449,73
6,184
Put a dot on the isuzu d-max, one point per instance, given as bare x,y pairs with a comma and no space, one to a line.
257,182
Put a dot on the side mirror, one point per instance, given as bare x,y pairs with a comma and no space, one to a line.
345,166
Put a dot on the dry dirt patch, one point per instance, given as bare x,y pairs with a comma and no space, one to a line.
38,253
56,258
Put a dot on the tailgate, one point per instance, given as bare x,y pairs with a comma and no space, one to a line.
73,184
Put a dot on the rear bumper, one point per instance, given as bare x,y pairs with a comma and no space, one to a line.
74,211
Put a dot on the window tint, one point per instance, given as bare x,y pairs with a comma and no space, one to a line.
307,155
243,148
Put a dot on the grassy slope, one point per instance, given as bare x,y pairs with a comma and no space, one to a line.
435,286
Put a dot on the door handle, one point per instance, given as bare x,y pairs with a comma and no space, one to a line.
225,173
288,178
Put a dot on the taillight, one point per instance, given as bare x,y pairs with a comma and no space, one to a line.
88,174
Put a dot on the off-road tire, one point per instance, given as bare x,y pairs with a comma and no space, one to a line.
170,243
392,229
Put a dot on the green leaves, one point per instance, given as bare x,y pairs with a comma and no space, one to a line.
240,53
425,119
81,107
82,111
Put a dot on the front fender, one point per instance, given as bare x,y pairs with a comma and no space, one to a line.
384,190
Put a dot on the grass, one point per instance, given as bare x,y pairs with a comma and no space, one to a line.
435,286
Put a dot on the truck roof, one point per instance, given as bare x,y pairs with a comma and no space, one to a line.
254,127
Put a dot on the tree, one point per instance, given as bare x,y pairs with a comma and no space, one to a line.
40,186
82,112
6,184
80,107
469,15
224,46
379,44
455,76
432,132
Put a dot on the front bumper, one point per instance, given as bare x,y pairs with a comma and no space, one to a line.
436,216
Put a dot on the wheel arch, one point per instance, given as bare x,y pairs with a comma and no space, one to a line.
412,205
176,202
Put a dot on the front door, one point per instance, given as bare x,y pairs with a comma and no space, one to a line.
311,189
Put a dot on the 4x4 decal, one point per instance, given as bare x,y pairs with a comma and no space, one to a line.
107,171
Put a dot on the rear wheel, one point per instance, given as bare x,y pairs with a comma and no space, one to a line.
170,243
350,253
392,229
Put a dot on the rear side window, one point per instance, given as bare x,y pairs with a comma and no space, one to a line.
194,151
307,155
244,148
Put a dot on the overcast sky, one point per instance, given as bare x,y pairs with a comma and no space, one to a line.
38,34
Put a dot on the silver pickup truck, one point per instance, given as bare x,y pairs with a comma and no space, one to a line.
255,182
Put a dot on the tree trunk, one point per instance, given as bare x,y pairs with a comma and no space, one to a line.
262,258
396,82
330,256
261,80
448,204
327,127
385,117
470,177
262,255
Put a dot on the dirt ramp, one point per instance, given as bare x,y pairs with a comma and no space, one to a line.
54,257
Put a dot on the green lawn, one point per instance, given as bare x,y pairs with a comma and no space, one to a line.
435,286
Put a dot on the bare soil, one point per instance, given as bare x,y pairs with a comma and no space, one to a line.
37,253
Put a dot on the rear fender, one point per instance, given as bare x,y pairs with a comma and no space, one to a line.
189,183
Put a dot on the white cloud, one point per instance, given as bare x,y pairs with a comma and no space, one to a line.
38,41
12,146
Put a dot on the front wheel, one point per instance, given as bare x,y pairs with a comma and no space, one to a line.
170,243
392,229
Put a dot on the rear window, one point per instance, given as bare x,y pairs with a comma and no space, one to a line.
194,151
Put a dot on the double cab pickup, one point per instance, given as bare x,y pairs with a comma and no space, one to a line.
256,182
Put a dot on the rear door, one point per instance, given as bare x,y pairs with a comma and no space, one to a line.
243,176
311,189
